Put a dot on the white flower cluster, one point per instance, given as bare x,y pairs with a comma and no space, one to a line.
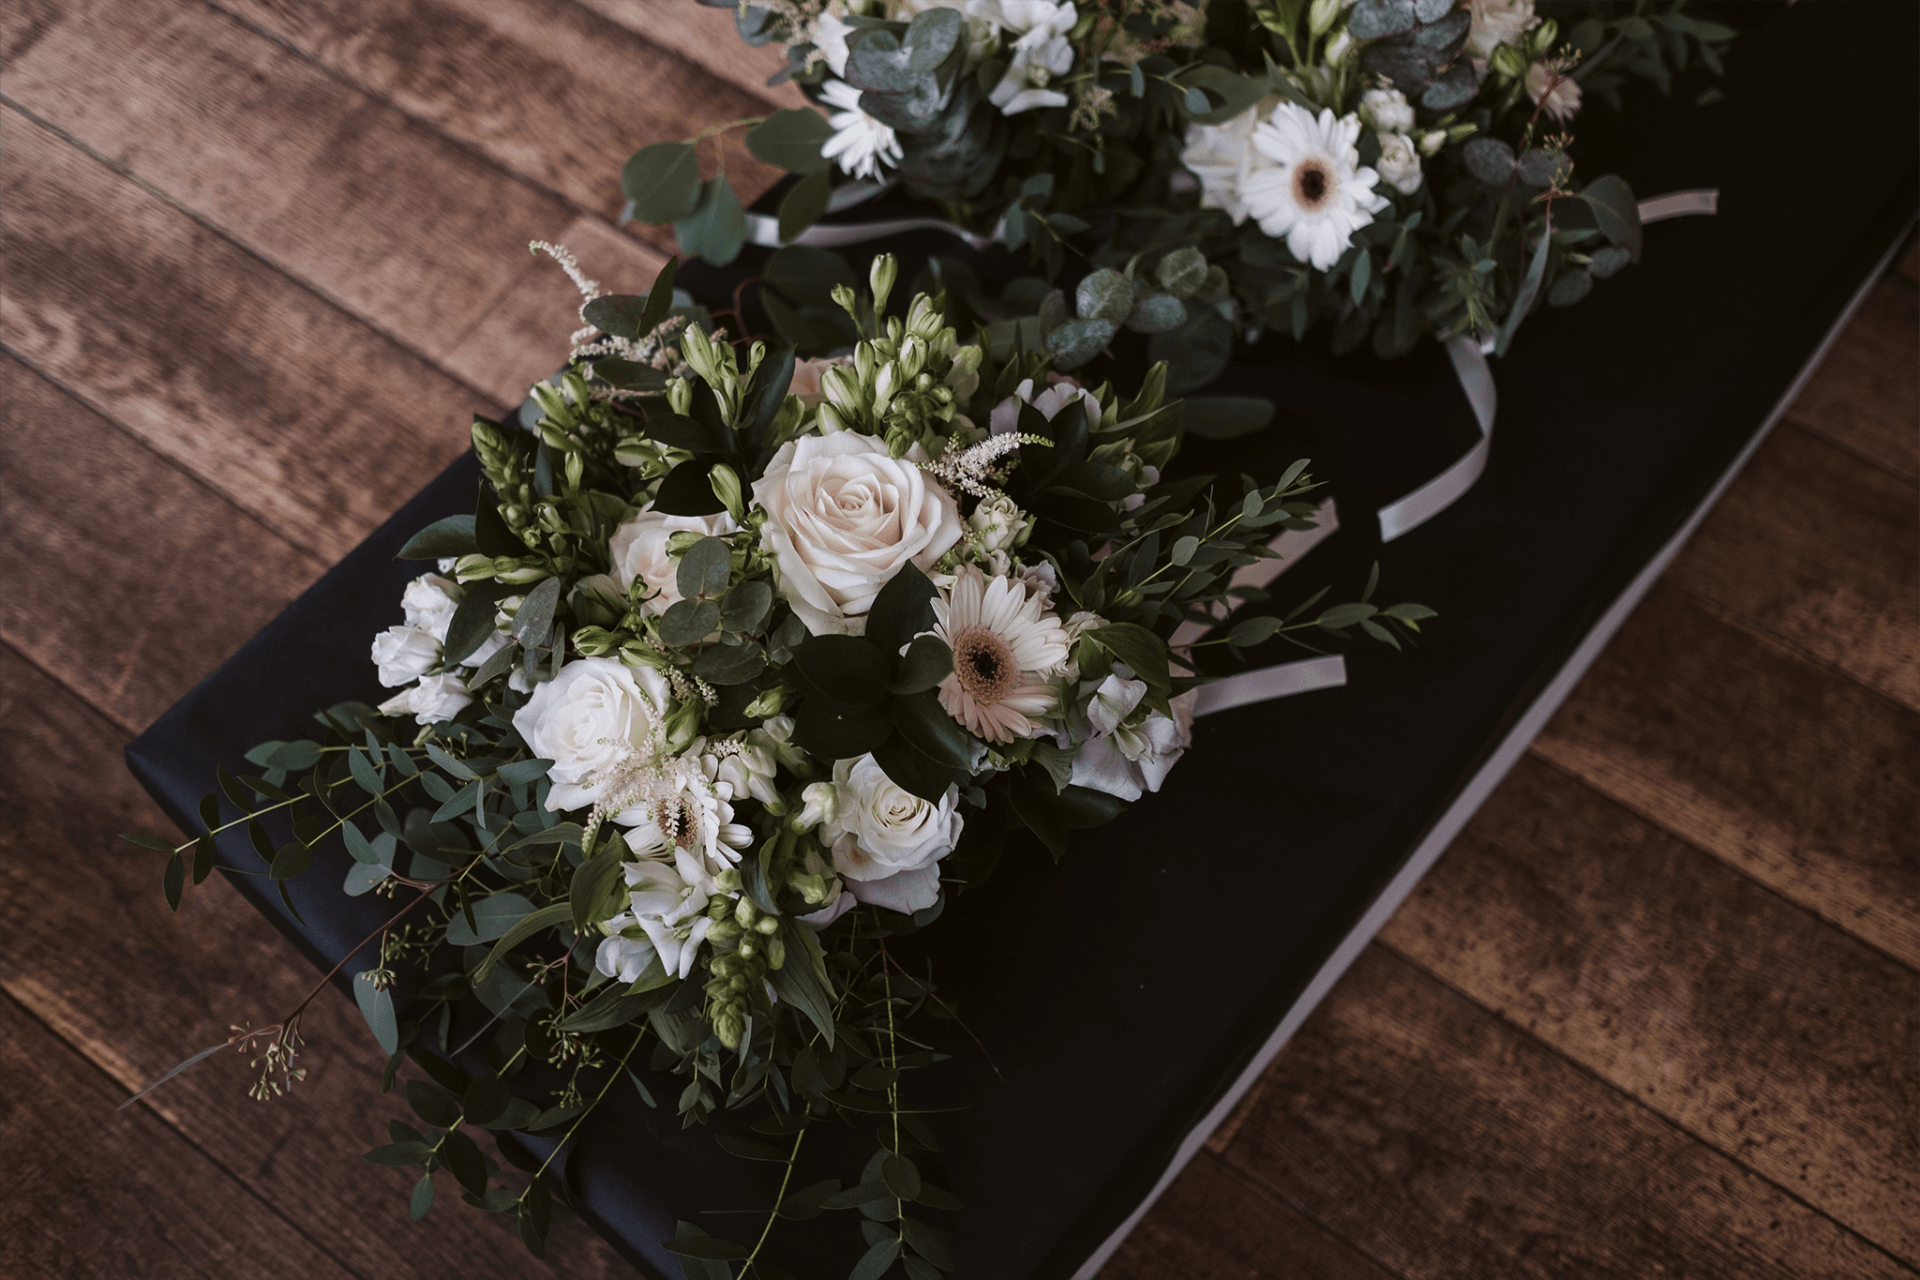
1028,36
411,654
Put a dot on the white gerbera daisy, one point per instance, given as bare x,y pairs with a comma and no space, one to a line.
1005,646
860,143
1318,193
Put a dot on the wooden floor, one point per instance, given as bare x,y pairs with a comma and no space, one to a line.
1656,1013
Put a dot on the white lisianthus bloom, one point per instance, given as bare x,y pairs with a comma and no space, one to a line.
1124,760
819,803
1223,157
1056,396
887,841
1400,163
594,717
434,699
861,145
430,601
843,516
1005,647
404,654
639,550
1494,23
1386,111
1318,193
1556,91
668,908
1034,67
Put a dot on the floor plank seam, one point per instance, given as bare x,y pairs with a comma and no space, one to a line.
469,149
1643,1106
1785,647
1240,1170
126,732
602,20
199,481
337,304
1810,427
1654,821
244,1184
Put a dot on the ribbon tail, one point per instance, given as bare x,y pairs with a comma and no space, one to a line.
1328,671
1704,202
1436,495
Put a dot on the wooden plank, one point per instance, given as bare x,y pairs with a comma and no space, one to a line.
402,227
1801,778
522,337
1866,395
706,36
92,951
1215,1222
1443,1142
23,23
1910,262
107,539
92,1191
543,88
296,412
1821,551
1744,1019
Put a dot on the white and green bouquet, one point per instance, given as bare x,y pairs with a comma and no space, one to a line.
1396,169
739,667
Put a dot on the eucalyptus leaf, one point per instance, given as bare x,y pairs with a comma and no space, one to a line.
790,139
662,181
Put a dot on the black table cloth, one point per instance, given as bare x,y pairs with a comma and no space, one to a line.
1127,994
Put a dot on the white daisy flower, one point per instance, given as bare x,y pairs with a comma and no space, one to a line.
1005,646
1318,193
861,144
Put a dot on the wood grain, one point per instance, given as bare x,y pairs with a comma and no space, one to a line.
1799,777
103,532
707,37
1866,395
75,1164
543,88
522,336
284,404
1213,1223
92,951
1820,550
1443,1142
398,225
1742,1018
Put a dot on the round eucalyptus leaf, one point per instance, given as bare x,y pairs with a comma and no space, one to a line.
1157,313
1488,159
1182,272
1078,341
1104,295
662,181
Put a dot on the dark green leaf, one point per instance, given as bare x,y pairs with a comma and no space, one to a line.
931,727
174,880
422,1199
659,297
717,227
399,1155
804,204
705,569
687,492
432,1103
593,880
925,664
1616,211
492,917
688,622
802,980
451,536
662,181
901,1177
730,664
473,622
291,861
678,431
485,1099
902,610
533,621
464,1158
791,140
874,1263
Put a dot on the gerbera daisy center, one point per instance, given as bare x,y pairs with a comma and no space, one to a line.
984,665
1312,184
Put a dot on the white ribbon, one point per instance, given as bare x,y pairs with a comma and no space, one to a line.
1470,366
1328,671
764,229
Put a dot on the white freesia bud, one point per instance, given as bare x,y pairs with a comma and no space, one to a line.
880,278
680,396
818,803
434,699
1322,15
1430,143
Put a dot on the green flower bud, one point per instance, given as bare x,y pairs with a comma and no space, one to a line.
748,947
1544,35
880,278
744,911
680,396
1322,15
682,725
768,703
843,298
899,440
728,882
767,926
776,952
1508,62
726,487
729,1026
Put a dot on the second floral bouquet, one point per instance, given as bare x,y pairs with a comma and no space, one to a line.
740,665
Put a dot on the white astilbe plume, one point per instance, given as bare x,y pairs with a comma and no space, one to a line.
971,470
587,342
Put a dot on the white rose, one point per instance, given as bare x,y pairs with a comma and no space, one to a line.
1495,22
1399,163
1386,111
639,550
999,524
430,601
434,699
887,841
590,719
404,654
842,518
